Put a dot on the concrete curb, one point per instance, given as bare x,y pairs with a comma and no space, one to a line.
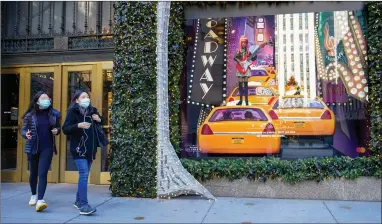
361,189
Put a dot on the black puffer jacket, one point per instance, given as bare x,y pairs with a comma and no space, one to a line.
83,142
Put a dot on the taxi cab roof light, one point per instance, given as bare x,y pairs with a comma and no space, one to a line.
269,129
206,130
326,115
273,115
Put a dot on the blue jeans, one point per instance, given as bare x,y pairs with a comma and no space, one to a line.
83,166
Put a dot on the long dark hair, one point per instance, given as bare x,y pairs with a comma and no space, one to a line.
77,95
33,106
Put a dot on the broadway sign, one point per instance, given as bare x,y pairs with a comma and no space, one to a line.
207,79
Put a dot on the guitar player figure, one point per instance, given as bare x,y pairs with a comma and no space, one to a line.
244,59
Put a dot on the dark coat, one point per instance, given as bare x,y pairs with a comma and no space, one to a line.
84,142
30,123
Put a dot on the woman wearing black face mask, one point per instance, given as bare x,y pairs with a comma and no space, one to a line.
81,124
40,124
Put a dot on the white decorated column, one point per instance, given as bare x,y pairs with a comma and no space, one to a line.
172,178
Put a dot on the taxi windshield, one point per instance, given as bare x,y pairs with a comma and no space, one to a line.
257,72
238,114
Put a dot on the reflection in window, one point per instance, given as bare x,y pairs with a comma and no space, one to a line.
42,81
76,80
106,113
23,18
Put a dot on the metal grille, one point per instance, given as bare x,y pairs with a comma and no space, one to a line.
9,45
33,26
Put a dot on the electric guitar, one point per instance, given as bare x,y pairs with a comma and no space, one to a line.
243,66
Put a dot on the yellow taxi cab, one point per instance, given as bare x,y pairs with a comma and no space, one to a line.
258,94
303,116
238,130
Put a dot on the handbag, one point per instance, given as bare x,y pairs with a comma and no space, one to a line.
102,143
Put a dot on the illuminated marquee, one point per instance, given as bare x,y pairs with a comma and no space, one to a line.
209,63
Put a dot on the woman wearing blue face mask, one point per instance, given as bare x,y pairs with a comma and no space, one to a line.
80,125
41,123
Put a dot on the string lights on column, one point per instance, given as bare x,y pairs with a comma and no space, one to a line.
193,63
225,61
172,178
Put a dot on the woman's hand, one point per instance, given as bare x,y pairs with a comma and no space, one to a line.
55,131
29,134
84,125
96,117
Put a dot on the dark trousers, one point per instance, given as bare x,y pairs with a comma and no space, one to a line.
38,167
243,90
83,166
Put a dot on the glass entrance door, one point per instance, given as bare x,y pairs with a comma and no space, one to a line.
48,79
74,77
12,105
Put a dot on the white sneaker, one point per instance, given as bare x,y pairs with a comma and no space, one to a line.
41,205
33,200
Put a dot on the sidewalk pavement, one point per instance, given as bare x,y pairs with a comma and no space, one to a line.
191,209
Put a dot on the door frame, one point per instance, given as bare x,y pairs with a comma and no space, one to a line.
56,70
104,177
15,175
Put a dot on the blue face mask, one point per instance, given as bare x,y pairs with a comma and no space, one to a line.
45,103
84,103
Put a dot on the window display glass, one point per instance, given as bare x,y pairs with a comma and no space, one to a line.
291,85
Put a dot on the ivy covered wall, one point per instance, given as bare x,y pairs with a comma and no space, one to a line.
374,42
176,60
133,155
133,136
